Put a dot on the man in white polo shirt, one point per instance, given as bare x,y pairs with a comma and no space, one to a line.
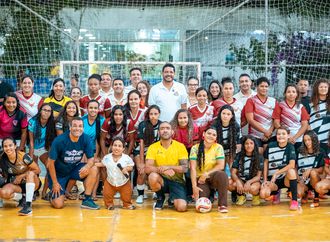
169,95
246,91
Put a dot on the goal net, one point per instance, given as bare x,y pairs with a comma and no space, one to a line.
282,39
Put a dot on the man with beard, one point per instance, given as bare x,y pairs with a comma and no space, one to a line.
166,163
169,95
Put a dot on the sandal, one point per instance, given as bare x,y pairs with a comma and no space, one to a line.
70,196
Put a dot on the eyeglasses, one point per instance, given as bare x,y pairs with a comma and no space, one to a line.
46,110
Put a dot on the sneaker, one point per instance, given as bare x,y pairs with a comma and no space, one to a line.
170,203
82,196
277,198
111,207
26,210
241,200
21,202
315,203
89,204
139,199
117,195
256,200
145,196
130,207
158,205
223,209
233,197
154,196
310,195
294,205
1,203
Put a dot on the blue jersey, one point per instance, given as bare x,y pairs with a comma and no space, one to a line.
90,129
67,154
38,142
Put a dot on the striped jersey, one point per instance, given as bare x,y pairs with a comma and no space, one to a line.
30,104
245,172
320,121
104,102
236,105
201,118
310,161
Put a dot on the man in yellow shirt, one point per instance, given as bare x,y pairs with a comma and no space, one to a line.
166,163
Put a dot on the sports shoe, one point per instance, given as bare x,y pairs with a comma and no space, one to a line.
170,203
154,196
294,205
255,200
310,195
277,198
158,205
315,203
130,207
21,202
145,196
223,209
1,203
26,210
241,200
89,204
233,197
139,199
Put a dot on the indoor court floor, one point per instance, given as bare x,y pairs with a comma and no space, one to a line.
263,223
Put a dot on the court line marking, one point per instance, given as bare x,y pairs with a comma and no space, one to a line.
327,212
104,217
228,217
282,215
165,218
46,216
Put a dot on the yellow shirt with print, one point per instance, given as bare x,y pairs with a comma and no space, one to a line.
168,157
214,153
57,105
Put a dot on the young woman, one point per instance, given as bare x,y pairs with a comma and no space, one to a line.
228,132
13,120
192,85
115,126
135,116
118,165
279,169
56,98
207,169
42,133
246,172
69,111
28,100
21,172
201,113
144,88
147,134
310,164
319,111
214,91
291,114
75,95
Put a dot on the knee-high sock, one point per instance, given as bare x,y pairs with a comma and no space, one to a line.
293,189
29,191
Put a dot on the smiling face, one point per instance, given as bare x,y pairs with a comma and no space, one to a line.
183,119
308,142
245,83
210,136
105,81
165,131
168,74
134,100
215,90
192,86
201,97
46,111
10,104
59,89
282,137
77,128
118,116
117,148
27,86
71,110
75,94
262,89
135,77
291,94
118,86
323,89
249,146
93,109
142,88
9,147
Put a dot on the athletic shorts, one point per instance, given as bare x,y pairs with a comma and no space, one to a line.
175,189
261,143
23,184
279,183
63,181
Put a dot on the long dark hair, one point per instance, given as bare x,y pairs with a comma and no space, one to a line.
232,130
315,94
4,158
190,126
148,89
127,105
315,143
112,128
52,94
255,159
295,87
201,151
97,120
211,98
63,118
149,135
50,127
13,95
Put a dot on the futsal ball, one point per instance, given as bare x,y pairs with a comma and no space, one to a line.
203,205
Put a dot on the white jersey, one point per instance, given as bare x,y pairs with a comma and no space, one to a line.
30,104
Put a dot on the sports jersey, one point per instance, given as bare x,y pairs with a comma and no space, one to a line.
278,157
235,104
181,135
118,132
225,137
11,126
114,101
262,113
140,134
30,104
38,143
67,154
201,118
135,121
310,161
57,105
104,102
168,157
90,129
214,153
320,121
61,125
305,101
244,173
20,166
291,117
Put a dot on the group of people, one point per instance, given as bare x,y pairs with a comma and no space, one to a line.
185,141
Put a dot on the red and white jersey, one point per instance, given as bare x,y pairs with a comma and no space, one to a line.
291,117
119,132
235,104
115,101
201,118
104,102
30,104
262,113
133,122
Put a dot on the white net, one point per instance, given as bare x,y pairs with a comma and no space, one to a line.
283,39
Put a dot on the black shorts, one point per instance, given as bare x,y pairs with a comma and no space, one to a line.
176,189
23,184
261,143
279,183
